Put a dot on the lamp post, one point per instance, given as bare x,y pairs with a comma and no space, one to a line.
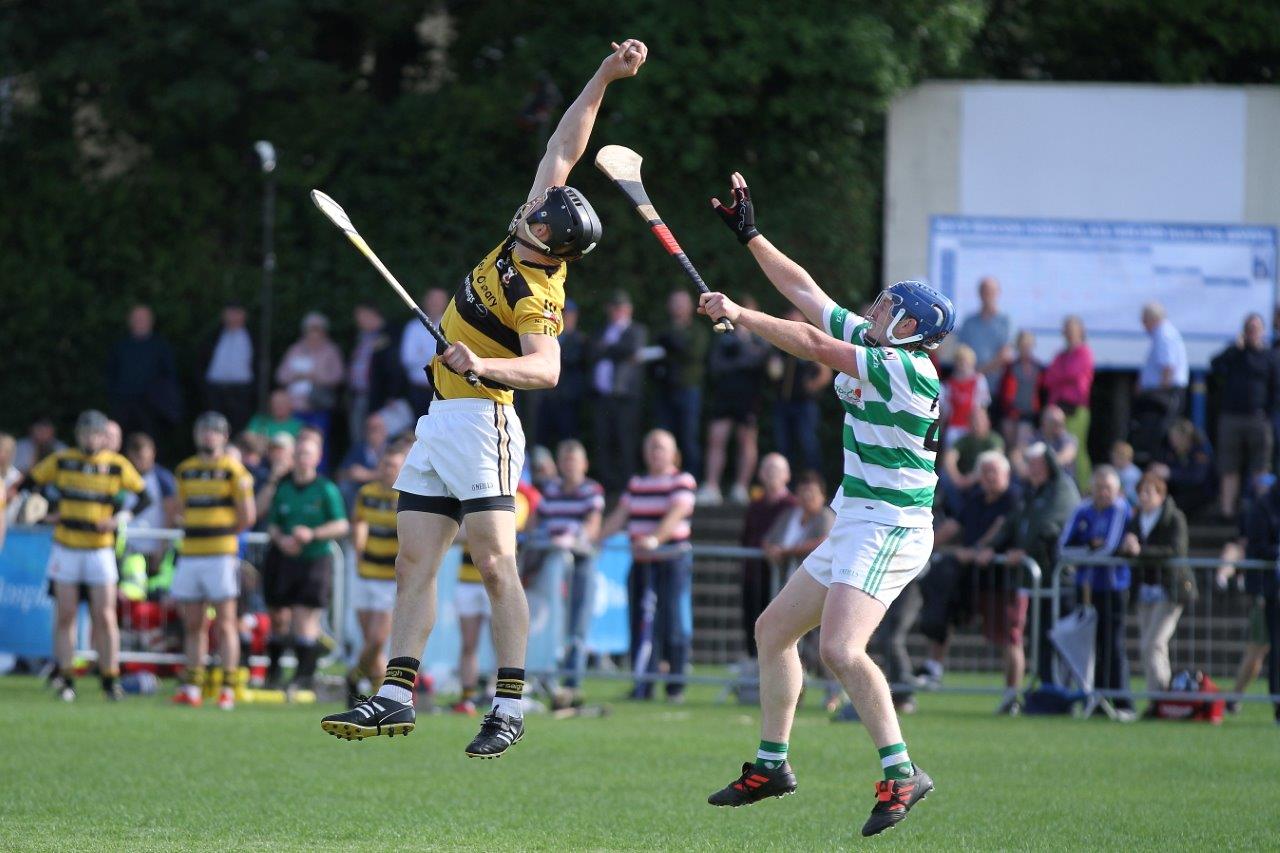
267,156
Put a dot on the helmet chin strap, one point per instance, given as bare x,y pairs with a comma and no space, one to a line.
520,229
893,339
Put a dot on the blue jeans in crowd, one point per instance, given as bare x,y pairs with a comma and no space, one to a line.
580,571
661,620
795,430
679,411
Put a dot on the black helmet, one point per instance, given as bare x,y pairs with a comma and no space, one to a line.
575,228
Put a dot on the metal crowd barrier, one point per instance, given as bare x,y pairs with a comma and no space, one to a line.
1210,635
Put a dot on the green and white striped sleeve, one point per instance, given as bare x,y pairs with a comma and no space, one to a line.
843,324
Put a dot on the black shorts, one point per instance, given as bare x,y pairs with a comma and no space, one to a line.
296,581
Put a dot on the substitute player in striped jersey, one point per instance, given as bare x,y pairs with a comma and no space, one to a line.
373,533
883,534
90,485
504,321
215,496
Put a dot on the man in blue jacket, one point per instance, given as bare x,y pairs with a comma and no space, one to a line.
1096,527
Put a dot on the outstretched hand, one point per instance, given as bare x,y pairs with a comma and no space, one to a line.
625,61
741,215
717,306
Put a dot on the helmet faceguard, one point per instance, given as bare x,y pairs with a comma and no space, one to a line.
575,228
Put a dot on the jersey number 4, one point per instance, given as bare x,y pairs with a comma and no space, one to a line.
931,443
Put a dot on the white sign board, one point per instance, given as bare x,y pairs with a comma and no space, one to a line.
1208,277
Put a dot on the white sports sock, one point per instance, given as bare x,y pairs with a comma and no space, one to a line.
396,693
510,707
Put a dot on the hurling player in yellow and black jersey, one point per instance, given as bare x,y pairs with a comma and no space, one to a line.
373,533
215,496
504,321
90,485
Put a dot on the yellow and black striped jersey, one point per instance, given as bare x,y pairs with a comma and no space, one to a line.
208,491
500,300
376,507
89,490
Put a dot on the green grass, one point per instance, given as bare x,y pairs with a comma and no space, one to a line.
144,775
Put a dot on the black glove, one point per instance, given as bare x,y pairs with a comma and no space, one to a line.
741,216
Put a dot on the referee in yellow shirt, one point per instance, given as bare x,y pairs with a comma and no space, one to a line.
90,485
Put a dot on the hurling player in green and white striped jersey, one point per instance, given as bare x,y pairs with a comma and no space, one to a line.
883,534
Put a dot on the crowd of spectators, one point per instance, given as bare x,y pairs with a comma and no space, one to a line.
1015,457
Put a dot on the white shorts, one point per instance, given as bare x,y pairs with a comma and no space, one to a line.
89,566
373,594
470,451
206,577
470,599
877,558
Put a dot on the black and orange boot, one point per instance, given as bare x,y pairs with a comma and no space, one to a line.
755,784
894,798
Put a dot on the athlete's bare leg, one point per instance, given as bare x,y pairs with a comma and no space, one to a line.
848,621
64,628
228,634
375,627
491,539
106,630
794,613
469,656
195,633
425,537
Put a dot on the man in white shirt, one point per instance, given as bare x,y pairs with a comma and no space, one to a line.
417,348
228,375
1162,384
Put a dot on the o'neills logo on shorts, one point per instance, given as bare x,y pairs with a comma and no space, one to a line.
480,487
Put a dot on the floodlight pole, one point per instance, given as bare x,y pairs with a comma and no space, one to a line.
267,156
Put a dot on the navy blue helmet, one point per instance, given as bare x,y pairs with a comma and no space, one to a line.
933,312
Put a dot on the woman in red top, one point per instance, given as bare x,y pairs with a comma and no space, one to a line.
965,389
1067,382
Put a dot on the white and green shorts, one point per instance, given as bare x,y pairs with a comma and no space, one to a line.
872,556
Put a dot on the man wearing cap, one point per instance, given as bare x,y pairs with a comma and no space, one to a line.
215,499
616,382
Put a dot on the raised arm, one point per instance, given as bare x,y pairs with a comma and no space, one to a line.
567,145
799,339
789,278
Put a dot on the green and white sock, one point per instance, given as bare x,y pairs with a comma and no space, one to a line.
771,755
896,762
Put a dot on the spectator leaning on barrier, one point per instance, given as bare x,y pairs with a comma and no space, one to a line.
1034,528
88,484
949,585
1248,380
1068,384
1054,435
1018,391
775,500
959,469
616,378
373,596
215,497
987,333
1162,383
795,411
297,577
567,523
1096,529
228,368
1157,533
655,509
679,376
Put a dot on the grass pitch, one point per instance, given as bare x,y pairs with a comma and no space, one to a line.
143,775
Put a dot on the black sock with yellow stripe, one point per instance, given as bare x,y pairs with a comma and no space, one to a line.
509,691
397,684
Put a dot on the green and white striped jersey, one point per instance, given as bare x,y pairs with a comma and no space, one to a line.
890,428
